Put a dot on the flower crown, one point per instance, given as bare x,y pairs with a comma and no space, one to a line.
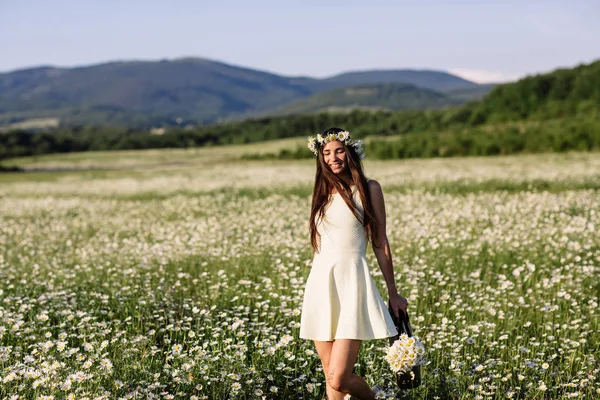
344,136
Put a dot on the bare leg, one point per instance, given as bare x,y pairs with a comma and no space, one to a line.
339,377
324,351
343,356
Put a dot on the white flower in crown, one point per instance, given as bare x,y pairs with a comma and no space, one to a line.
343,135
320,139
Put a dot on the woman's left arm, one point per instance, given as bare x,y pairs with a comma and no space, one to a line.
382,251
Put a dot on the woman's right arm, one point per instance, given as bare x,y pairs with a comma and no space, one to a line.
383,251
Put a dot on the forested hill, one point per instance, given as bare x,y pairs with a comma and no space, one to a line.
560,93
190,90
560,109
564,93
382,96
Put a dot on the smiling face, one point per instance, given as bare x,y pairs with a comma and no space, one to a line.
334,155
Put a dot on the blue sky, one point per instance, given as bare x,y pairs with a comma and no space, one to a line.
480,40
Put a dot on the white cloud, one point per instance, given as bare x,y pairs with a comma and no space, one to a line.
484,76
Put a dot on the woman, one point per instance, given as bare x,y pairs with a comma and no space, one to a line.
341,304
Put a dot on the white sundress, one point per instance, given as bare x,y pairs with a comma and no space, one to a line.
341,300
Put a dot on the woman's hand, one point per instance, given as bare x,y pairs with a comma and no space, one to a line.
398,302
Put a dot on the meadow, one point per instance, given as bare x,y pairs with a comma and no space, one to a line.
180,273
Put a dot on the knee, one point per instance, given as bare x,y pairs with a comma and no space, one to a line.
339,382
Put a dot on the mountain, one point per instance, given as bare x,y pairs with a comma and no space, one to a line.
384,96
193,89
434,80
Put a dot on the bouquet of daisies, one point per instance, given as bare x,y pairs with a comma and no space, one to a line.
406,354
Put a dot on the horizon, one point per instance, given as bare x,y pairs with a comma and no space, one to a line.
483,43
464,75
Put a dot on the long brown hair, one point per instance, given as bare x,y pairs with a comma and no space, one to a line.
326,181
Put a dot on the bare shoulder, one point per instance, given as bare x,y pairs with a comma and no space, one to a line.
374,187
376,192
377,201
